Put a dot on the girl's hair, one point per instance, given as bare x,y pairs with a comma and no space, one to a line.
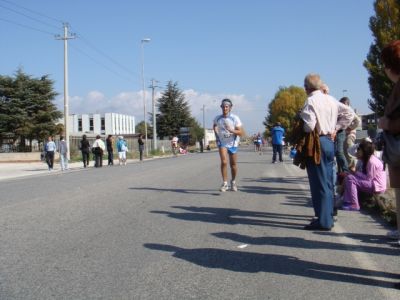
368,148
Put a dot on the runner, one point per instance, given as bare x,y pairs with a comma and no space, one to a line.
228,129
174,144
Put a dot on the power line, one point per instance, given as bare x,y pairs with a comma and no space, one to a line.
32,11
127,70
26,26
101,64
119,65
29,17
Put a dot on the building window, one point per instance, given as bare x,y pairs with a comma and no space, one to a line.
103,124
79,124
91,128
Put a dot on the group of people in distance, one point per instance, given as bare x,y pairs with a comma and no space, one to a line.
51,148
331,125
98,147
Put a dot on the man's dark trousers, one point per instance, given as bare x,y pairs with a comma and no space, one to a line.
276,148
321,182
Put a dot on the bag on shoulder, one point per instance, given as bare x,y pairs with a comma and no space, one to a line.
391,149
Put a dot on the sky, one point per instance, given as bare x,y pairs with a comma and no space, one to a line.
244,50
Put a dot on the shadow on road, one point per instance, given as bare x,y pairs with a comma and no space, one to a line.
249,262
235,216
285,180
295,242
184,191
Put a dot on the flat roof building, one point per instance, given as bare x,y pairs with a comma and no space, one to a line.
103,124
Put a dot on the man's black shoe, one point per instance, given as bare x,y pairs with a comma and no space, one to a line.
315,226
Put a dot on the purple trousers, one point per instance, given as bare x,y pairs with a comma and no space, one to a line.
353,184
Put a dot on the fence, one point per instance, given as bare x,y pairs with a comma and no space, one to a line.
132,143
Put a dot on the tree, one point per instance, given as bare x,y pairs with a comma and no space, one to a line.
283,108
27,110
385,27
174,112
196,132
139,128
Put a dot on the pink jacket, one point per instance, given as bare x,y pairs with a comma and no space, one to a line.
375,173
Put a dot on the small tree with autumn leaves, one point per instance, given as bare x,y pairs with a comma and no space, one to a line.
283,108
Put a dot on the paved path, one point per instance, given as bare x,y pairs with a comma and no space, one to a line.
25,169
162,230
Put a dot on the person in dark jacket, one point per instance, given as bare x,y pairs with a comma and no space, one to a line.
84,146
141,146
110,149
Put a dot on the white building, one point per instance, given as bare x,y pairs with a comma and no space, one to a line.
103,124
209,136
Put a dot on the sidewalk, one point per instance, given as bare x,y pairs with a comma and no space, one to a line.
11,170
22,169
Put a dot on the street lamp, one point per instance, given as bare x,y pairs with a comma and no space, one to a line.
146,40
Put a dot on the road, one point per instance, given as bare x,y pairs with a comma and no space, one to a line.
161,230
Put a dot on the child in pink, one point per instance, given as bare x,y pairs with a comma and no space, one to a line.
370,176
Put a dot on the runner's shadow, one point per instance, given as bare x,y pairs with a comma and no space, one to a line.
249,262
183,191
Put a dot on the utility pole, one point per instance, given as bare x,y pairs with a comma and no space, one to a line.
67,36
204,124
153,86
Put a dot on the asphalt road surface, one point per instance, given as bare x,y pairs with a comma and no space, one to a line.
162,230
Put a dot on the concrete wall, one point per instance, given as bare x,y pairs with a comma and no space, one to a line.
23,156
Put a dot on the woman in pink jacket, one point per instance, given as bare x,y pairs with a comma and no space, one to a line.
368,176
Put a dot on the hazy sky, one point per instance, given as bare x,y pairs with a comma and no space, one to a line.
241,49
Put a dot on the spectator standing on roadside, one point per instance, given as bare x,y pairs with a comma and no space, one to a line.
50,149
63,150
110,149
323,115
228,129
141,146
277,133
342,165
121,148
390,121
84,146
98,148
258,143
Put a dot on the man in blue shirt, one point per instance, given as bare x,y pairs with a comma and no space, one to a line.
277,140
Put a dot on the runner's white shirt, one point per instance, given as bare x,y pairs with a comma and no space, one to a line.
224,137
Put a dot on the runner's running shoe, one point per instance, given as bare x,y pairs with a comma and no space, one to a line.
233,186
224,187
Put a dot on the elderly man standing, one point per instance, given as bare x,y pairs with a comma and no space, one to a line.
326,115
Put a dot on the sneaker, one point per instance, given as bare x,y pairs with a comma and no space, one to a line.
224,187
233,186
394,235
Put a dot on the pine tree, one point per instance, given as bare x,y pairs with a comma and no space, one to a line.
27,110
174,112
385,27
